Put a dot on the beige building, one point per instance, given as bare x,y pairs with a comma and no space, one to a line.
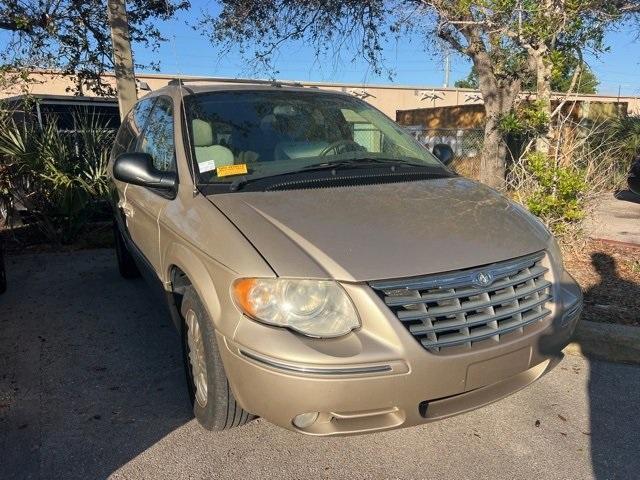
388,98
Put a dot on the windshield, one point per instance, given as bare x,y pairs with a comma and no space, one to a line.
257,134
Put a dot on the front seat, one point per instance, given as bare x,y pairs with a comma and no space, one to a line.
208,154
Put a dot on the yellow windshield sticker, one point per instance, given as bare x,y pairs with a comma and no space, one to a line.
226,170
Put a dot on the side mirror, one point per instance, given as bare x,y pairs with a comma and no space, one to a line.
138,169
443,152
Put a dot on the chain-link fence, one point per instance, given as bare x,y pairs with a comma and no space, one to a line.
466,145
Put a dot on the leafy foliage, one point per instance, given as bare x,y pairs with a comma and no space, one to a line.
591,157
60,178
261,28
564,67
626,131
562,76
75,36
558,195
471,81
510,43
530,118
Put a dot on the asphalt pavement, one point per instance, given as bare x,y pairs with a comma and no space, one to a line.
615,217
92,386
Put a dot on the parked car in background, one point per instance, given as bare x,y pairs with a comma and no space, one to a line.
325,270
634,176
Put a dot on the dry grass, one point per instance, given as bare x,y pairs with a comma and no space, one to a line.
609,275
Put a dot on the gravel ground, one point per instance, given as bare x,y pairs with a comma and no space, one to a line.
91,386
609,275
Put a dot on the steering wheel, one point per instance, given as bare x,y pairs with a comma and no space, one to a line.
340,146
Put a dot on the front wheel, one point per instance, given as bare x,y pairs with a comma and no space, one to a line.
213,402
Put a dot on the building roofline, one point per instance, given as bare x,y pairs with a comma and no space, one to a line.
60,98
418,87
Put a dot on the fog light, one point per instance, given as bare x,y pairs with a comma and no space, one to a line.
305,420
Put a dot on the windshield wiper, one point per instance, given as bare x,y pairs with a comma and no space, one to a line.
363,162
239,183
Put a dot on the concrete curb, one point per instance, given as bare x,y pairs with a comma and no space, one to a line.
606,341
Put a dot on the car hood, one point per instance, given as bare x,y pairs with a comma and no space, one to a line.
383,231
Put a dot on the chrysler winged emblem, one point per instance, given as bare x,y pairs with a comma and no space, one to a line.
483,279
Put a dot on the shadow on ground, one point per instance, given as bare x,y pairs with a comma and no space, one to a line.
90,368
610,415
614,421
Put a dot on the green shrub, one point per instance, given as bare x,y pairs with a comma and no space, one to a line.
557,196
60,177
626,133
530,118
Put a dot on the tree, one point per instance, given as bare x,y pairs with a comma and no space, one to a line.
74,37
264,26
554,34
470,82
560,80
507,41
562,77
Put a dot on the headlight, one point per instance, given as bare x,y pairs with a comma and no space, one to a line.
316,308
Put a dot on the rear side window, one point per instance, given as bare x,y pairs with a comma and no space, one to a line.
132,126
157,139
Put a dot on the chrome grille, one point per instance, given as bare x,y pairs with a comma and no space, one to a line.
462,308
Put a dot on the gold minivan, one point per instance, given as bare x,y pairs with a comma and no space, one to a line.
325,270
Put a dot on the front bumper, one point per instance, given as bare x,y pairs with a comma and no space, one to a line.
379,377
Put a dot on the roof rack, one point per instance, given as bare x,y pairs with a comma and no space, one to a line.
273,83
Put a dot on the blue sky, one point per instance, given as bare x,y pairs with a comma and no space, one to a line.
188,52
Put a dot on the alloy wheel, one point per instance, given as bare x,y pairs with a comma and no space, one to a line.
197,357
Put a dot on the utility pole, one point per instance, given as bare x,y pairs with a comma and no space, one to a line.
122,56
447,66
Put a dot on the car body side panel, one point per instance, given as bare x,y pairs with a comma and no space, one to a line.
196,238
193,221
144,207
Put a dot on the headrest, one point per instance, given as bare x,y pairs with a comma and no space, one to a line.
202,133
268,123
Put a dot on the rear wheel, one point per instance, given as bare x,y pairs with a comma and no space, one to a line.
634,184
126,264
213,402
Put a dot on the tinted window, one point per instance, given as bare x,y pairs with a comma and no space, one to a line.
157,139
132,126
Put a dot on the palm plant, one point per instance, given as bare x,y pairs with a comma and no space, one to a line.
58,176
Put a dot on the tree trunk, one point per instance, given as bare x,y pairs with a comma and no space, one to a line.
122,56
499,96
494,152
543,84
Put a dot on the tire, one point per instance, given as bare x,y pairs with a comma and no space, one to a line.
634,184
215,407
126,264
